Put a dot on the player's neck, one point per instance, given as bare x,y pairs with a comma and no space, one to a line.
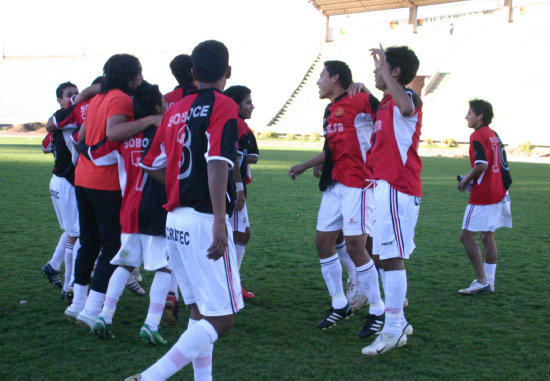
336,93
218,85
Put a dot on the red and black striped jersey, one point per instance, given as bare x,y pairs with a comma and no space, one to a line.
395,152
200,128
348,126
491,185
142,196
247,146
177,94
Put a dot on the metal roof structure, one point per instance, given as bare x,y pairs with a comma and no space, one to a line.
345,7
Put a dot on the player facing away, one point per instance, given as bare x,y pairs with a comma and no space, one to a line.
193,150
110,114
396,166
62,193
349,124
142,219
247,153
489,204
180,67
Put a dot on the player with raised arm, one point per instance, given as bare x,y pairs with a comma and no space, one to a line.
349,124
489,204
396,166
193,151
247,153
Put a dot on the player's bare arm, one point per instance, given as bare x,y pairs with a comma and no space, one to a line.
252,159
298,169
50,125
217,184
402,100
87,93
158,175
239,191
118,127
473,175
82,133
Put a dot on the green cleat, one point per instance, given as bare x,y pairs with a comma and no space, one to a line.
150,336
103,330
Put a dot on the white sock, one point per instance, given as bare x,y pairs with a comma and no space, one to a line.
68,266
174,286
367,284
59,253
190,344
80,296
202,365
157,299
346,260
332,272
490,270
114,291
395,290
75,254
240,249
94,303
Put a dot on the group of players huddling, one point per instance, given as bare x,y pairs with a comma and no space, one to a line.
138,184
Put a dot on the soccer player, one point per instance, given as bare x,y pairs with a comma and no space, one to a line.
489,204
110,114
193,150
142,219
248,153
396,167
62,192
348,126
180,67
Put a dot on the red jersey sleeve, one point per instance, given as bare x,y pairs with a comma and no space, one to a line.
222,131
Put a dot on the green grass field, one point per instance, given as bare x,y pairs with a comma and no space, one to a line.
504,336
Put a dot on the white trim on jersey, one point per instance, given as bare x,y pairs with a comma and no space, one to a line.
208,158
159,162
364,127
404,128
68,132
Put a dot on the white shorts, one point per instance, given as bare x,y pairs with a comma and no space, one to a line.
64,203
345,208
136,249
395,217
239,220
488,218
215,286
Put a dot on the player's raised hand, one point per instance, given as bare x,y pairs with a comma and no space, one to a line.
356,88
219,240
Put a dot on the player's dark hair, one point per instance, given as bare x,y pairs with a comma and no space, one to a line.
237,93
210,61
118,71
181,69
63,86
343,71
99,80
480,106
146,98
404,58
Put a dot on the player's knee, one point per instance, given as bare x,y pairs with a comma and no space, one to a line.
244,237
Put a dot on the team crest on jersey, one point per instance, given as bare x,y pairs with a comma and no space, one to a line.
339,111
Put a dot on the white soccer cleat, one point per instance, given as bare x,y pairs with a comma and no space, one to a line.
86,320
71,312
476,288
383,343
407,329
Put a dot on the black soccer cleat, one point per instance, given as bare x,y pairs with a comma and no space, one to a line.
52,275
334,315
373,325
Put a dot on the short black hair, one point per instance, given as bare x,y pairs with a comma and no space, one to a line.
210,61
146,98
181,69
99,80
118,71
404,58
343,71
63,86
480,106
237,93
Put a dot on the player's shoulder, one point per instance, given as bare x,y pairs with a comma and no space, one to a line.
417,101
